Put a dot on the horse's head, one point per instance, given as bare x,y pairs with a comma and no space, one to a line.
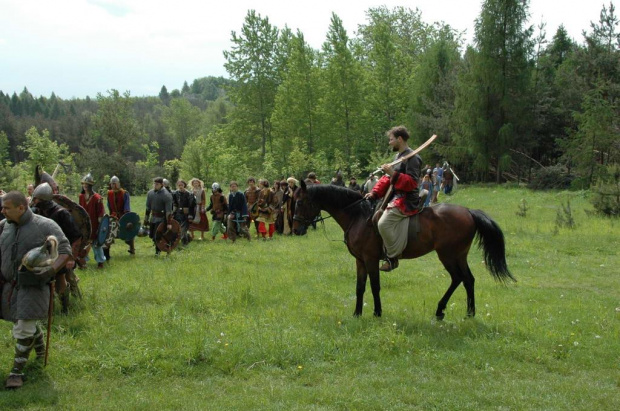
305,210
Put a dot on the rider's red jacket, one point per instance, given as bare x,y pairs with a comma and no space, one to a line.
403,184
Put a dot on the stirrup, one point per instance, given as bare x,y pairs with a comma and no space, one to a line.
389,265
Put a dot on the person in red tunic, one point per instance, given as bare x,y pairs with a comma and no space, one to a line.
118,205
93,204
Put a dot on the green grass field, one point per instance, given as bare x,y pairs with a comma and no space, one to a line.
269,325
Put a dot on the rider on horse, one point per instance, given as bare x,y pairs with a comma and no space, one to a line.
404,201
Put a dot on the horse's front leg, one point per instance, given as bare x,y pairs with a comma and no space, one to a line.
360,287
375,285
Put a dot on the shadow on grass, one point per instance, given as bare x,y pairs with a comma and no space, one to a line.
38,392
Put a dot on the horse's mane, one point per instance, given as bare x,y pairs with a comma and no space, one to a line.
339,197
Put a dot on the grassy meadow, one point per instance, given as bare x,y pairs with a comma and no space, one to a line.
269,325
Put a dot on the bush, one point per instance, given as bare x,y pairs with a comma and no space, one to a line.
606,193
548,178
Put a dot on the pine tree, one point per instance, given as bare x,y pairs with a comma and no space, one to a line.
492,108
164,96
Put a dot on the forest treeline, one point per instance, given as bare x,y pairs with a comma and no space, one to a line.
519,104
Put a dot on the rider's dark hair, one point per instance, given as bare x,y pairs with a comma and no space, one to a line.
399,131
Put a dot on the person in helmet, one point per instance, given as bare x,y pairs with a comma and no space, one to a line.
118,206
93,204
167,185
42,204
218,206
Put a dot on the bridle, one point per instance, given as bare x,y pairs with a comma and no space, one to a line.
319,218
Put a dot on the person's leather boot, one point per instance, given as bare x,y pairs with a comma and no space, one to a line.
14,381
390,264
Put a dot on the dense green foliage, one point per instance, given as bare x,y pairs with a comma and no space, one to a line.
268,325
504,106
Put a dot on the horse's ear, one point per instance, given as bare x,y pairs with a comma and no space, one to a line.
303,185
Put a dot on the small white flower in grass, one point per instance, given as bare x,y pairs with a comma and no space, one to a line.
576,343
602,265
221,334
618,309
597,336
219,341
394,324
561,295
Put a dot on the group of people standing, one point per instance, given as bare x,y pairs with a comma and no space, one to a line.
269,208
436,180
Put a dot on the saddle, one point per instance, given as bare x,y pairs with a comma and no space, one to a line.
414,224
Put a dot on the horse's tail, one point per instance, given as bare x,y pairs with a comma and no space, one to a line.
491,241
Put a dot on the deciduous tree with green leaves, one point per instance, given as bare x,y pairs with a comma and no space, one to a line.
253,65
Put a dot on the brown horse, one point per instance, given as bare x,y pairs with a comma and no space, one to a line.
448,229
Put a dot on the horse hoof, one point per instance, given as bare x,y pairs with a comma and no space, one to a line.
356,314
377,313
440,317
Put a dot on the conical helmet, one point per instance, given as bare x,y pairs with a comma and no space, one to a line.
215,186
43,192
88,179
115,180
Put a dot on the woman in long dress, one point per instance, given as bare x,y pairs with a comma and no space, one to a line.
200,223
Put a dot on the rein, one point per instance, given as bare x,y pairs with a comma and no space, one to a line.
346,232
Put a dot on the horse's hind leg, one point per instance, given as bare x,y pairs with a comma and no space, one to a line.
468,283
455,274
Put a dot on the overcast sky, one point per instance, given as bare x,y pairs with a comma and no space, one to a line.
77,48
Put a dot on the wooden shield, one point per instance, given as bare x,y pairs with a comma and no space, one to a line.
112,231
81,218
104,231
167,240
129,225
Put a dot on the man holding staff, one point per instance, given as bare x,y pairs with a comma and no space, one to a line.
403,199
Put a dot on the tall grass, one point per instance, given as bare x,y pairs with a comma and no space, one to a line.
268,325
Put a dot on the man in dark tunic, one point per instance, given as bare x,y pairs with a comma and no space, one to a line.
238,213
159,205
183,206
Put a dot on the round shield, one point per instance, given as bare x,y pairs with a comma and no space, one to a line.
104,230
112,231
128,226
167,240
81,218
